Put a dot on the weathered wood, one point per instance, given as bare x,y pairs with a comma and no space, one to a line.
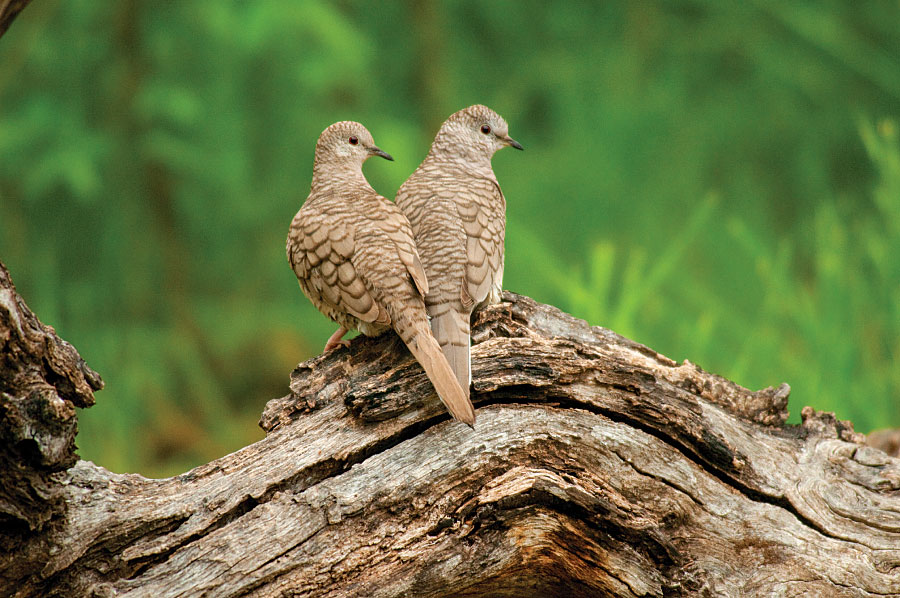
597,467
885,440
42,380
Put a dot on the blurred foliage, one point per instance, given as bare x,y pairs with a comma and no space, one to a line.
720,181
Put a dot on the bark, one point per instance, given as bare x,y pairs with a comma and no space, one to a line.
597,467
42,380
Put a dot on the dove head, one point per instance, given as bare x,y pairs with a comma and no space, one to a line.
346,144
474,133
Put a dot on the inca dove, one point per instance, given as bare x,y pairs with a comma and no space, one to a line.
458,217
353,253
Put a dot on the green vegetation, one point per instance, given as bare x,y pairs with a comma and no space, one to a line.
720,181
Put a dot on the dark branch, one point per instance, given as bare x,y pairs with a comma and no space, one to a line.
9,10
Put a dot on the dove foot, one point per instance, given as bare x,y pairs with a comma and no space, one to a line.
335,340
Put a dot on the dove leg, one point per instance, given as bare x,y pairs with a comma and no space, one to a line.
335,340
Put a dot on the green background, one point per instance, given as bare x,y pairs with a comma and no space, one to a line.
717,180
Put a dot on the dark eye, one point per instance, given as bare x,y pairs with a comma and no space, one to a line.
354,140
486,129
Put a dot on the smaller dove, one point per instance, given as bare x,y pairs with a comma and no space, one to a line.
354,256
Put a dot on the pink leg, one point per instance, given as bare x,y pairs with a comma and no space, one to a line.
335,340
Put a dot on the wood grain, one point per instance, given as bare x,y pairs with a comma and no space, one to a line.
597,467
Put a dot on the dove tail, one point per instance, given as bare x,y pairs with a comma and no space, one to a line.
428,353
451,330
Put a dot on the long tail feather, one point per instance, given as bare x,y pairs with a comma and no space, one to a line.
427,351
451,330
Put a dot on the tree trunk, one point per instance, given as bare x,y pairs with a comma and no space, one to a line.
597,467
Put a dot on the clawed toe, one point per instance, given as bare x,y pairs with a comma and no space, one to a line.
331,345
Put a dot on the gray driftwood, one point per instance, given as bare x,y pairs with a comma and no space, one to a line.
597,467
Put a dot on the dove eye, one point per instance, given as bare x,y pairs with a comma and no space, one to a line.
486,129
353,140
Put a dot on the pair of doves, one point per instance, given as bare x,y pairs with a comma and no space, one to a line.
419,266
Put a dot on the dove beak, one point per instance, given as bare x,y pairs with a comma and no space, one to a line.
375,151
513,143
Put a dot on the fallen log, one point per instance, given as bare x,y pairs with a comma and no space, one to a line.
597,467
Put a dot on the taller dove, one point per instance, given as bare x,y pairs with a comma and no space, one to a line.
458,217
353,253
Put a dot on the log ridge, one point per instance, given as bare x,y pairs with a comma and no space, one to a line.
597,467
